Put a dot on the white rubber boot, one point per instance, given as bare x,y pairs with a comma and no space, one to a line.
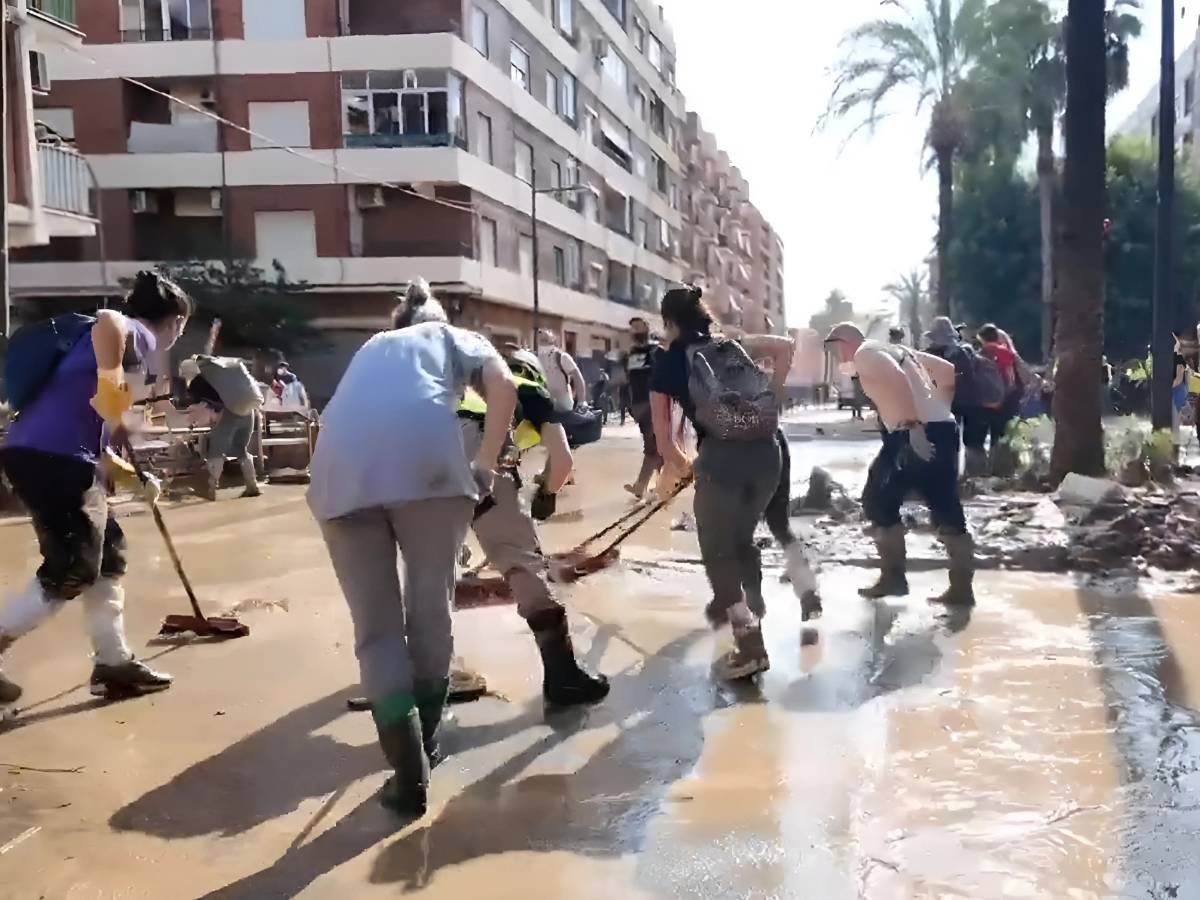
250,477
104,612
23,612
804,581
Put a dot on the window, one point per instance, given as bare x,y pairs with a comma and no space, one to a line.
572,170
525,255
483,138
165,20
656,53
1189,94
280,124
640,232
384,109
574,263
285,236
523,166
615,69
673,194
640,104
639,166
282,20
664,234
479,31
553,98
560,266
660,173
556,178
595,272
591,126
487,241
564,16
519,66
567,108
639,34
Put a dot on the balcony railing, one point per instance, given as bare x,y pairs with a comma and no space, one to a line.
194,135
403,140
61,10
177,32
66,182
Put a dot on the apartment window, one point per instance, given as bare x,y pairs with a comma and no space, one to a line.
574,263
396,109
523,167
564,16
280,124
664,234
483,138
617,8
640,232
660,173
572,171
639,166
640,104
525,255
673,195
1189,94
567,108
595,272
560,266
281,20
655,53
591,125
487,241
285,236
519,66
615,69
479,31
552,93
556,178
165,20
639,34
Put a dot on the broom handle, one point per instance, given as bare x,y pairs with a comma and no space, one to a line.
624,517
654,510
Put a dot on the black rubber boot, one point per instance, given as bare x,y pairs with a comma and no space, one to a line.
406,793
128,680
961,549
431,702
564,682
10,691
893,565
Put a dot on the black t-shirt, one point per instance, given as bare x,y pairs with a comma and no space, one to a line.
535,407
640,367
670,376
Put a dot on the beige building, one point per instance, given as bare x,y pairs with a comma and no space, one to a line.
728,247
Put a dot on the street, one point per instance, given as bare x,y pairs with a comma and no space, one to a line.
1044,746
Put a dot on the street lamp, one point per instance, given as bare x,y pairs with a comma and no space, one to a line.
533,195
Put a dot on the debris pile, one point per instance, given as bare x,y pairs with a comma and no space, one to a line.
1145,530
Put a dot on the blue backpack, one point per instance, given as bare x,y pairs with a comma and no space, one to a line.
35,351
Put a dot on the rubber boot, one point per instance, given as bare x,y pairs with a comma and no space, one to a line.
23,612
893,565
976,462
406,793
564,683
961,549
211,479
431,702
749,656
804,582
250,478
116,673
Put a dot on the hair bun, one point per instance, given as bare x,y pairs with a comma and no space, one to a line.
697,292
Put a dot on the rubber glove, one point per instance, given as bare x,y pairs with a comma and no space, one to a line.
112,398
123,475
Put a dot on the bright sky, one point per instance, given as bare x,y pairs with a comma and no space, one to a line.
852,215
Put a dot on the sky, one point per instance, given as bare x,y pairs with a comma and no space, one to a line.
853,214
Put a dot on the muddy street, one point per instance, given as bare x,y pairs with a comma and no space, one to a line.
1044,745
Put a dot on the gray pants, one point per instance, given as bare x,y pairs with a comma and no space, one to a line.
400,634
735,481
509,540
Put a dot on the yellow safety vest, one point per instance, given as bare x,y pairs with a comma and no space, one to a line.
473,406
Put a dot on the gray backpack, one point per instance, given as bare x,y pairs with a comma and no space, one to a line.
233,383
732,396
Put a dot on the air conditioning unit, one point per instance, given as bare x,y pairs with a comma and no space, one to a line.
368,196
208,100
215,199
39,72
600,47
142,202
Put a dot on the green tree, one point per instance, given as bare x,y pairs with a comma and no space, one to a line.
911,293
926,50
837,310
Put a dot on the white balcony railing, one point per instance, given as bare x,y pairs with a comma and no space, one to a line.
66,183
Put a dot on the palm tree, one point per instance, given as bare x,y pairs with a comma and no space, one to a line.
909,292
1027,53
926,50
1079,335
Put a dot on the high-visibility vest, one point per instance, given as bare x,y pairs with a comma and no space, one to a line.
525,435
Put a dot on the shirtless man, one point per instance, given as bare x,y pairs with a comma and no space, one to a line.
913,392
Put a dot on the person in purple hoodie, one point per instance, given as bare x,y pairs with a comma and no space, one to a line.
59,458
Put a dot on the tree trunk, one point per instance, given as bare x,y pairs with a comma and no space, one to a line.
1079,334
914,320
945,168
1046,186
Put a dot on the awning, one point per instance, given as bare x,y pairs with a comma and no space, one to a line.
615,134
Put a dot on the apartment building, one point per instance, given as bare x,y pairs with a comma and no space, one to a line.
1143,121
728,247
415,132
48,184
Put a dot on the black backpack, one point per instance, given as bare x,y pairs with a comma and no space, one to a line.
977,379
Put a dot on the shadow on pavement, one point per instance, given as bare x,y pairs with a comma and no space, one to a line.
602,809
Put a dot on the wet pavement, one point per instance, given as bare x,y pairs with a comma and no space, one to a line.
1045,745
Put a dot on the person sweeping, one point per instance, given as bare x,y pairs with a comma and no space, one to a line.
913,393
59,459
391,477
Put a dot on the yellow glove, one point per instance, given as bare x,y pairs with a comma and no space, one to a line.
112,398
120,472
526,436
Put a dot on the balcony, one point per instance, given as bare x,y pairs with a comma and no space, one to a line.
62,11
404,140
66,182
198,135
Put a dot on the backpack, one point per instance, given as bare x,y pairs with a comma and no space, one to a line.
34,353
732,396
229,377
977,379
